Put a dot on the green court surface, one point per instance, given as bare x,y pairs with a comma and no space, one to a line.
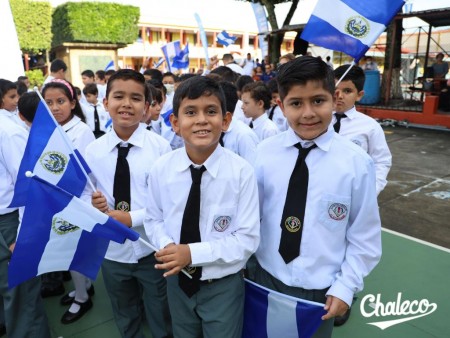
418,270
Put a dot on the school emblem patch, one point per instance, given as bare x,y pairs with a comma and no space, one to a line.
337,211
123,206
357,26
54,162
62,227
190,269
292,224
222,223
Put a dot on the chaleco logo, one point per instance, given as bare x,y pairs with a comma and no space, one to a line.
357,26
372,306
54,162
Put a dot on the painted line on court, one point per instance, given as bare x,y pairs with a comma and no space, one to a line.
435,246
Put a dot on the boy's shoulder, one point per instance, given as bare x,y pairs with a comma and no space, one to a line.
344,148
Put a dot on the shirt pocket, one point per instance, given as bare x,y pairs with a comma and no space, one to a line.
334,211
222,221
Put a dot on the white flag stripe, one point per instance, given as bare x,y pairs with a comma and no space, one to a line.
322,11
52,259
281,308
78,212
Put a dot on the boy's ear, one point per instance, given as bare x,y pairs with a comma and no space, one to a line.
174,122
105,103
226,121
281,105
360,95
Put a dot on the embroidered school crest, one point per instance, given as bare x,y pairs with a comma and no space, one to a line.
53,161
357,26
337,211
190,269
62,227
292,224
123,206
222,223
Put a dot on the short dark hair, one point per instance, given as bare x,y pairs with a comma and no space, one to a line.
90,88
156,94
184,77
57,65
155,74
110,72
71,94
242,81
22,78
196,87
127,74
100,74
88,73
158,85
355,74
231,96
175,78
258,91
21,88
226,73
302,70
272,85
6,85
28,104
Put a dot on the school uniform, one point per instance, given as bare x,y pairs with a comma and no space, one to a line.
101,91
264,128
368,134
103,117
336,251
14,116
239,113
276,115
128,269
241,140
229,230
24,311
79,133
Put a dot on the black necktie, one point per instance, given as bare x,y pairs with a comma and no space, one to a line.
251,124
337,124
190,231
272,111
97,131
294,207
149,127
121,189
221,139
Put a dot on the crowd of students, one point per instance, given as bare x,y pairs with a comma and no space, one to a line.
215,171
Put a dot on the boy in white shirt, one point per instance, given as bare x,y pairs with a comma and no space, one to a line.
93,109
202,213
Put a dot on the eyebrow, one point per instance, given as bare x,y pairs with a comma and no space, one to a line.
123,92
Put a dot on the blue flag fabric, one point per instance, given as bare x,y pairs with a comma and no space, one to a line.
270,314
110,66
225,39
352,26
49,154
170,50
66,234
181,60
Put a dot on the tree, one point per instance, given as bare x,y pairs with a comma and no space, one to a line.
276,39
33,22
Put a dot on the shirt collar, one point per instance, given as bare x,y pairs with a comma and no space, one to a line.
7,113
323,141
136,139
260,120
351,113
232,125
73,122
211,164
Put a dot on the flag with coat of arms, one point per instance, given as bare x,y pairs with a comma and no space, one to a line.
352,26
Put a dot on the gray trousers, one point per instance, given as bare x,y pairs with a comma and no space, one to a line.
215,311
24,310
134,289
263,278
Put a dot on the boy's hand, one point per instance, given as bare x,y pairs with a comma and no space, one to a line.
12,246
99,201
123,217
173,258
335,307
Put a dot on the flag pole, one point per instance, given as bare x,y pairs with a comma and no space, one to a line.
66,140
353,63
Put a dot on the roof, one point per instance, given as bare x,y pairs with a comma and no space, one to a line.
435,17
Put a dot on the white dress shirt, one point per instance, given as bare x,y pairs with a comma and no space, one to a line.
278,118
341,239
229,213
13,140
88,110
264,128
79,133
241,140
368,134
101,156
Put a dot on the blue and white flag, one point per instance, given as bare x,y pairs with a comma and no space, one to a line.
60,232
170,50
263,27
225,39
158,63
272,314
181,60
49,154
352,26
110,66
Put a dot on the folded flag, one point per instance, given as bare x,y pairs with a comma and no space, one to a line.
110,66
181,60
271,314
225,39
352,26
49,153
66,234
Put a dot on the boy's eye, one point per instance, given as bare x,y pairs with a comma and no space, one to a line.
137,98
295,103
347,91
189,112
118,97
212,112
318,101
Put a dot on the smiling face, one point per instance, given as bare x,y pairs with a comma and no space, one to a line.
60,105
308,109
346,96
126,105
9,100
200,123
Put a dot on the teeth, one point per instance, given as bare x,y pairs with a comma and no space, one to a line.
202,132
